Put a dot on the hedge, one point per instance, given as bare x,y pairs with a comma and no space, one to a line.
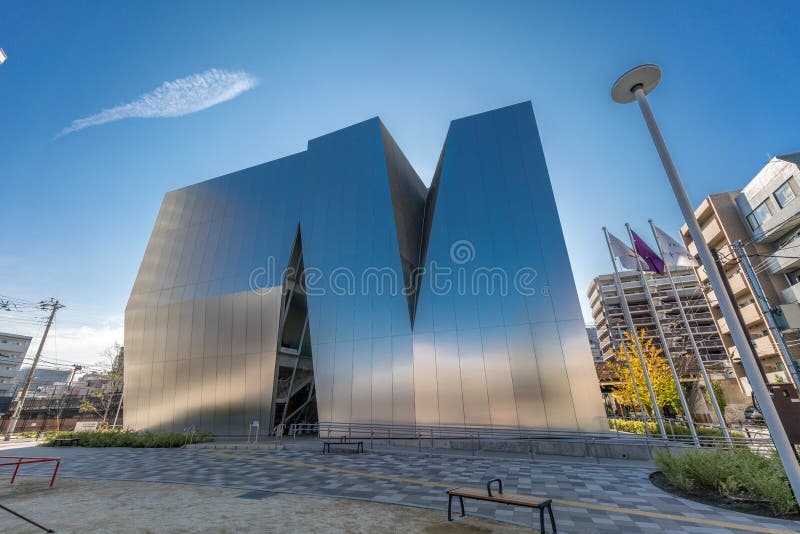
738,473
128,438
677,429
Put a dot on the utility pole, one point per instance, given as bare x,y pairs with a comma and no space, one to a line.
75,368
54,305
766,309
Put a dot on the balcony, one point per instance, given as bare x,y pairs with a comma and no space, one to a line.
791,294
712,232
738,284
723,326
785,258
751,314
764,347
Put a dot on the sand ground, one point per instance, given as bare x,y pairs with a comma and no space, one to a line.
81,505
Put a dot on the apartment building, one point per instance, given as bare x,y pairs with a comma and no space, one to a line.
606,306
594,344
13,348
765,216
610,321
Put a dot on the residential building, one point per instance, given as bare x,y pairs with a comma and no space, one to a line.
610,321
333,286
13,348
765,216
46,382
594,344
604,300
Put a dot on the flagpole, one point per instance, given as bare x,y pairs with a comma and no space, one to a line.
635,337
664,344
695,349
616,350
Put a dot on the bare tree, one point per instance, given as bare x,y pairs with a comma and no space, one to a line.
101,402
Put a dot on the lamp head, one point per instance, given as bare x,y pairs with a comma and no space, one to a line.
646,76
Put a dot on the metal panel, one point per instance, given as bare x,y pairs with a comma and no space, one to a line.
167,419
403,381
426,399
253,315
448,379
473,378
156,404
527,389
361,410
195,396
553,377
238,394
222,401
239,327
224,342
342,381
588,403
211,331
252,389
323,380
181,400
267,363
499,384
382,382
208,394
173,328
185,329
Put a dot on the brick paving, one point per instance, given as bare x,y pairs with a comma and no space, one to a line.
413,479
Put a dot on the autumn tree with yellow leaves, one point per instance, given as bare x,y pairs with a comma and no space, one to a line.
660,376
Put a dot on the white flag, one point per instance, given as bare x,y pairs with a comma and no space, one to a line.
675,254
627,257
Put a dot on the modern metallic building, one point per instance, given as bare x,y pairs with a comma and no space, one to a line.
332,285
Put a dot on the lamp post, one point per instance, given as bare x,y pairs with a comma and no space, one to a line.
635,85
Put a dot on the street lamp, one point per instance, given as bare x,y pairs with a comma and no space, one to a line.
3,56
636,84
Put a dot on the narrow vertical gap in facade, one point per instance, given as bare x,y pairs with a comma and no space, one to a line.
294,398
408,194
427,223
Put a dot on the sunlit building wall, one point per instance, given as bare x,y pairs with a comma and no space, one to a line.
332,285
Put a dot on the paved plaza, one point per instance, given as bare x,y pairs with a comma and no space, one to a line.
587,497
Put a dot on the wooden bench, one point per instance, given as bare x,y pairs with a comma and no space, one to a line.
59,442
504,498
343,441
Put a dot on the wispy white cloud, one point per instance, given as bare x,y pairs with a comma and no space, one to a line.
173,99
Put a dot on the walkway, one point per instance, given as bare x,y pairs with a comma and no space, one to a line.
587,498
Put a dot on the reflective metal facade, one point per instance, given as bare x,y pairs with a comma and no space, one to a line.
201,345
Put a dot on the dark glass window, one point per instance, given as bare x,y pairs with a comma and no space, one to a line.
757,217
784,194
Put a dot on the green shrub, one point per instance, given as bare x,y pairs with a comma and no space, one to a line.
676,429
128,438
739,473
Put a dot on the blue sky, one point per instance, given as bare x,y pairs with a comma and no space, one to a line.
78,208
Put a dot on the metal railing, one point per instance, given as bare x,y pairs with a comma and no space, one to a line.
425,435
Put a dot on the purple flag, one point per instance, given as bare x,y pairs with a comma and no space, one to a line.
653,260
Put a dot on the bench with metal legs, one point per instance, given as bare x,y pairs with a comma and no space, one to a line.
514,499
